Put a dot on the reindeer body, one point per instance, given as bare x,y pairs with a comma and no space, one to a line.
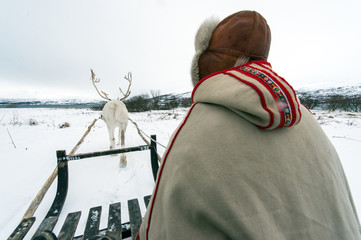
115,115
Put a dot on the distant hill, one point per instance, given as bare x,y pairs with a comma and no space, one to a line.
313,92
345,98
45,103
347,90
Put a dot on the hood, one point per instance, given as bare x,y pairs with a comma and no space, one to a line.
253,91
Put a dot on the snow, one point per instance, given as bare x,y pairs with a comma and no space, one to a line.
30,137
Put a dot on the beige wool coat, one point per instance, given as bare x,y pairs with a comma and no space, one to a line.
250,162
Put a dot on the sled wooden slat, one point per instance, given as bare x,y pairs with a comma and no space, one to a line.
47,225
114,229
92,224
147,200
69,226
22,229
135,216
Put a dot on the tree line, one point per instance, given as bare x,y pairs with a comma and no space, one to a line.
154,101
145,102
331,102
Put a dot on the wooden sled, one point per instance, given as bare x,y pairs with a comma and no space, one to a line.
115,230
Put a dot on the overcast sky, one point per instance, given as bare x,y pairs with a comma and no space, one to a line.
48,46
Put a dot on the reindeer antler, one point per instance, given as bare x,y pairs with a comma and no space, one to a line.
129,79
96,80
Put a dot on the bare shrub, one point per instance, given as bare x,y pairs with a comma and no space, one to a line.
140,103
15,120
64,125
155,100
309,101
33,122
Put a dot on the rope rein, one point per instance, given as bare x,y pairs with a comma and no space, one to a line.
153,140
142,134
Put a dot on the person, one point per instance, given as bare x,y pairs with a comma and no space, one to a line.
248,161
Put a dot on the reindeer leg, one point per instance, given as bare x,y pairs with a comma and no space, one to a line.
119,136
122,137
111,136
123,157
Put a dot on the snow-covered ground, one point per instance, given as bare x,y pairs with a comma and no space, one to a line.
29,139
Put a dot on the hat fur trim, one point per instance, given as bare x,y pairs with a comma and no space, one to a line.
202,39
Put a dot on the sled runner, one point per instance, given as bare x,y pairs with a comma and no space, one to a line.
115,230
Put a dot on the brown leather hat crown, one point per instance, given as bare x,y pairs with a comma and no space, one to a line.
242,33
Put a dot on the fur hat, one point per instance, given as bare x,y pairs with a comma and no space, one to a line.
218,45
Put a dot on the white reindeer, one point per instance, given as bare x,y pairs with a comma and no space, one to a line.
115,115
